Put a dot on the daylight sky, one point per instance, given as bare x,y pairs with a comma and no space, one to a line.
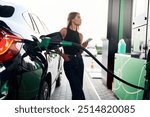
54,13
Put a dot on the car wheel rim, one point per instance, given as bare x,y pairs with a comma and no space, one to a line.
46,94
45,91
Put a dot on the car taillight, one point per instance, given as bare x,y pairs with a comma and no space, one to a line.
8,45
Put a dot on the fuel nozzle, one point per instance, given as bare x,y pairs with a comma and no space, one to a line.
52,41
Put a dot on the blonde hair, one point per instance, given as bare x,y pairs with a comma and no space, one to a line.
71,16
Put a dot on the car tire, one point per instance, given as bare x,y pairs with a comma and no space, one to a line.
13,90
58,81
12,94
44,91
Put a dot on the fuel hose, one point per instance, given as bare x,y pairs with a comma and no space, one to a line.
54,41
66,43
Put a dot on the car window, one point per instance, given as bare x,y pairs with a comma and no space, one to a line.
45,28
6,11
38,24
27,18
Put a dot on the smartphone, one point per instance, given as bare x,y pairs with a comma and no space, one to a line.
88,40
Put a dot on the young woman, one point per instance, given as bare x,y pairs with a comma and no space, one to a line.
73,62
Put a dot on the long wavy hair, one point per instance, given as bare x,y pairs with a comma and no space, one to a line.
71,16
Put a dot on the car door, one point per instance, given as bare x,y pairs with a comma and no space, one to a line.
51,56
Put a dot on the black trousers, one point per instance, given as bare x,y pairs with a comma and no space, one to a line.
74,71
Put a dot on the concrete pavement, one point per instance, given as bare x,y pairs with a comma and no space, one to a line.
93,88
64,93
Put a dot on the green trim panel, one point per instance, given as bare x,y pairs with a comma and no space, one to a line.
131,70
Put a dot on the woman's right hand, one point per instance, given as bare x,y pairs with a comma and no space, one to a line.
65,57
